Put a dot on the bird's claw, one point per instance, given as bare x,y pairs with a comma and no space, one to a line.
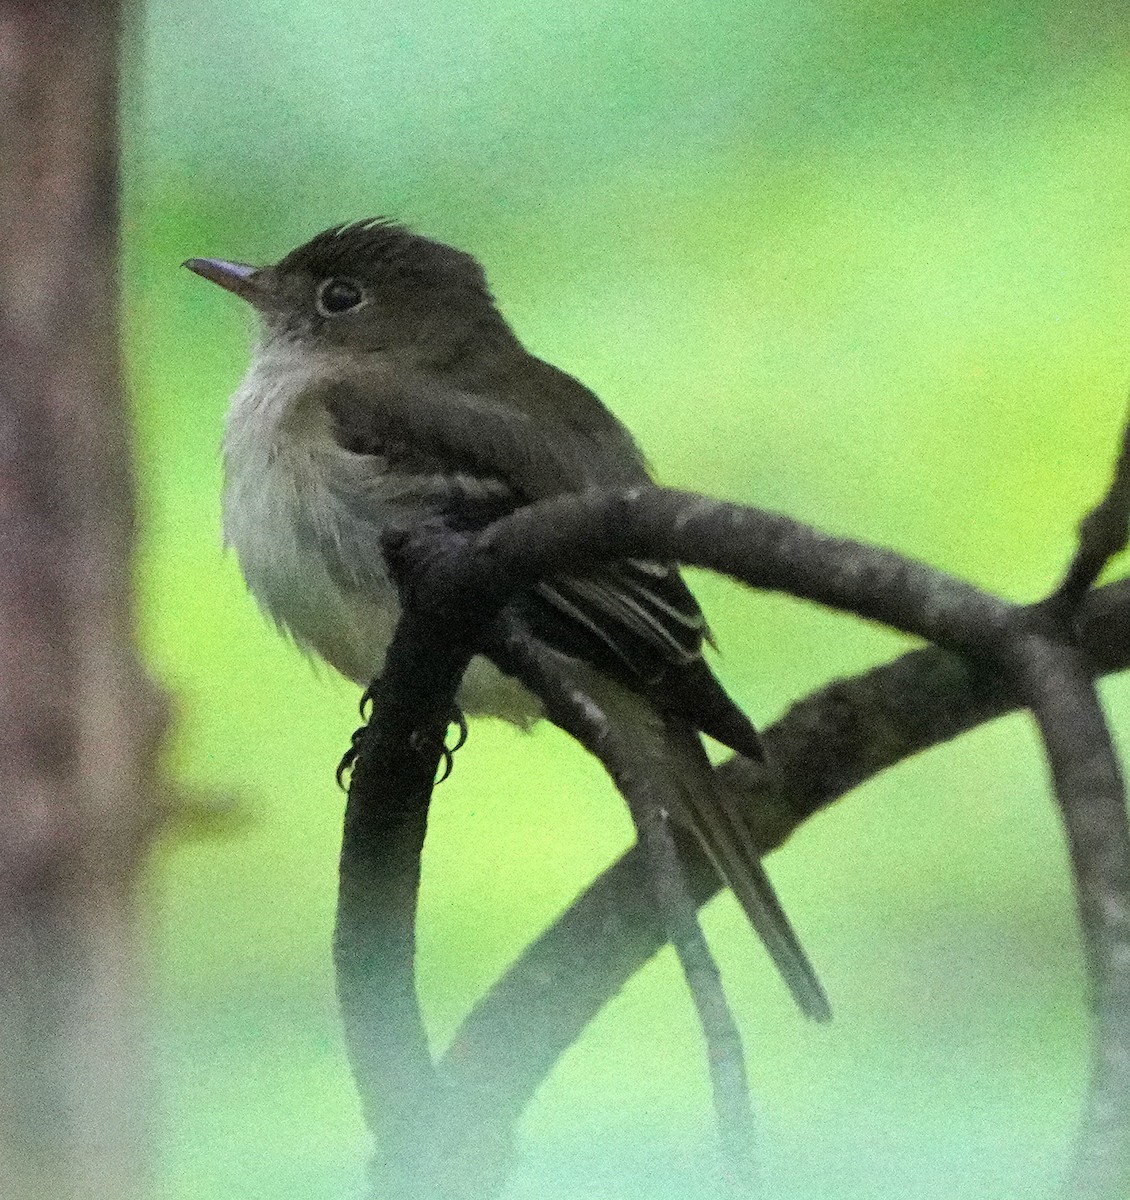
420,743
419,740
349,758
365,704
457,719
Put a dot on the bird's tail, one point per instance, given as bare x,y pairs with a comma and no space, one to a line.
713,812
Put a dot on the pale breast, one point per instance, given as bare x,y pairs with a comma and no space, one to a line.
283,523
312,561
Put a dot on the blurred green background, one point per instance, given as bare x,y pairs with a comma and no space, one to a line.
865,263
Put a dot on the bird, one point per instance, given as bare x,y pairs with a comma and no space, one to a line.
385,386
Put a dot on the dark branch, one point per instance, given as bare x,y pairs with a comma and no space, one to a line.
451,588
419,1152
374,938
767,551
649,802
1102,533
1091,796
822,748
508,1045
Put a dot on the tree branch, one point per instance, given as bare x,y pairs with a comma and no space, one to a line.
1102,533
421,1151
374,937
576,532
650,802
1091,796
848,732
824,747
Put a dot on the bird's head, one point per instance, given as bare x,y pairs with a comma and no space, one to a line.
370,286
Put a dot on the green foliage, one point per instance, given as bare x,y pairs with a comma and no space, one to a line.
861,262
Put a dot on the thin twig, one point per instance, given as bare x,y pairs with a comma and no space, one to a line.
578,714
1092,802
1092,799
1102,533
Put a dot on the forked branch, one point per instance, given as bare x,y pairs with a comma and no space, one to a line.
1009,655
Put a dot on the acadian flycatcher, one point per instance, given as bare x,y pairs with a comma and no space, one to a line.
385,385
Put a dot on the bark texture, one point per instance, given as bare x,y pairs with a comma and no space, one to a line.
79,721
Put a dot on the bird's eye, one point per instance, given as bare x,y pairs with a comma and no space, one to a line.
339,295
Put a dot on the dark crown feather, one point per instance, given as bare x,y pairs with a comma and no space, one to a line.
378,247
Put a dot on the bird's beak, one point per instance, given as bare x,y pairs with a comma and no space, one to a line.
236,277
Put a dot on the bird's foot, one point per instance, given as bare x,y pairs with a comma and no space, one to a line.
420,742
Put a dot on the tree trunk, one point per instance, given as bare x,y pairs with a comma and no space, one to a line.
79,721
